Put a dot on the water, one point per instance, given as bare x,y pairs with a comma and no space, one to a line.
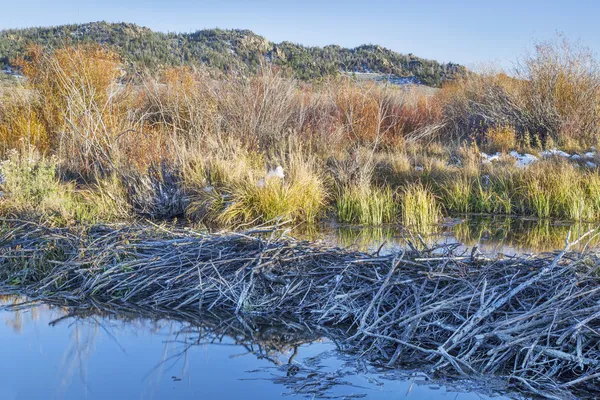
47,354
492,235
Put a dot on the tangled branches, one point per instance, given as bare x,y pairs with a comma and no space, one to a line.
532,320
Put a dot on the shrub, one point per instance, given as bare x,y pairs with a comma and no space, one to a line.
502,138
553,95
31,187
78,103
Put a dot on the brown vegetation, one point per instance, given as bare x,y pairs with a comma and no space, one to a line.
199,142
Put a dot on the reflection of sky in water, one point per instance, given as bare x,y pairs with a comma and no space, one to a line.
492,235
100,358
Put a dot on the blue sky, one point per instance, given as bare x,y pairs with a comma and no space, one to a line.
468,32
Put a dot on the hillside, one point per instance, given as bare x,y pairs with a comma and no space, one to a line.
224,49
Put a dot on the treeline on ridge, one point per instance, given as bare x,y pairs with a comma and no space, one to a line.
227,49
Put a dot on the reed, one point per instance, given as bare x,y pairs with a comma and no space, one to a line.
367,205
420,209
195,142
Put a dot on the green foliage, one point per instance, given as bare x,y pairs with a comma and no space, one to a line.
31,187
366,205
241,193
419,208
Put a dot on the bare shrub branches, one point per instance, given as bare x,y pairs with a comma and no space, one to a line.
553,94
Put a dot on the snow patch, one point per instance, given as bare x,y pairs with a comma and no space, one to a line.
554,152
276,173
523,160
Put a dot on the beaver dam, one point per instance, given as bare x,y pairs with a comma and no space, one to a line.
530,321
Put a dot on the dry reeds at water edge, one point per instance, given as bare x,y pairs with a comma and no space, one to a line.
532,320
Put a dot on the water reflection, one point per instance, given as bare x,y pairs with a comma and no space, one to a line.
493,235
125,352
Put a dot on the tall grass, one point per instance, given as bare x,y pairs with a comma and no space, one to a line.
236,189
30,186
420,209
369,205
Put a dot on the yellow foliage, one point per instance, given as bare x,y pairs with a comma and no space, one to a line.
502,138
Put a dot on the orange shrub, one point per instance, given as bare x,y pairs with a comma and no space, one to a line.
502,138
81,103
373,114
20,126
73,75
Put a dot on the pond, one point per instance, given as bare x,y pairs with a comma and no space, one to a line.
51,353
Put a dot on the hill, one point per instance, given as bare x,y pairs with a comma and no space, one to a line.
224,49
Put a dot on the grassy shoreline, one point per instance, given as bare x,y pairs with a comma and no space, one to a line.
416,197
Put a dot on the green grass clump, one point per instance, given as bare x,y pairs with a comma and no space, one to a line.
457,193
560,190
368,205
242,194
419,207
300,201
32,188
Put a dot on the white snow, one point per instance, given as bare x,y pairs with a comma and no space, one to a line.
276,173
554,152
523,160
488,159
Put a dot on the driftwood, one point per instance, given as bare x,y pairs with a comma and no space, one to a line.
533,321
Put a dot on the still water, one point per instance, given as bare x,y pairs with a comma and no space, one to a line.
49,354
491,235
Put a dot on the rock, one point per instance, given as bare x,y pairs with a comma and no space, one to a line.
590,154
576,157
590,164
418,168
